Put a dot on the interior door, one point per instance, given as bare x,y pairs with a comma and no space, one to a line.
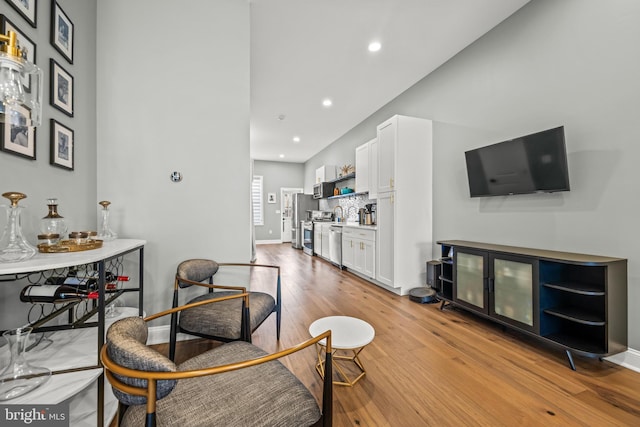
286,212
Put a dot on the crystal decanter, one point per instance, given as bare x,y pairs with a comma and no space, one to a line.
20,377
13,246
104,232
53,223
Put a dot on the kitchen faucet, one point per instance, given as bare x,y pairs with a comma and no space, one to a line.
341,213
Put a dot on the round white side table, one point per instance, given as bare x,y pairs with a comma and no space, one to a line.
348,334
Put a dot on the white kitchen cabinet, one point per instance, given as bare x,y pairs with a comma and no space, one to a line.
385,238
348,251
358,250
373,169
325,251
325,174
404,203
317,239
362,168
386,155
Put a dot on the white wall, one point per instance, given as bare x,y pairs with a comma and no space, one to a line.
570,63
173,95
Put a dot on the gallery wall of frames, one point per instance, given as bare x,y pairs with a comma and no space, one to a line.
19,139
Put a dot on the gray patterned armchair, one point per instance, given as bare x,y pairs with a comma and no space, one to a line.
227,321
235,384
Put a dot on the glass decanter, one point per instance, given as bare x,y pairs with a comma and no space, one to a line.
20,377
53,223
104,232
13,246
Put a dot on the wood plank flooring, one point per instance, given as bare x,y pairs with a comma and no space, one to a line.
428,367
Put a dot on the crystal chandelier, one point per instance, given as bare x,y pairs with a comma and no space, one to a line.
20,85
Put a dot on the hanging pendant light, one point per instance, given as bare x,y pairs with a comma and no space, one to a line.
20,85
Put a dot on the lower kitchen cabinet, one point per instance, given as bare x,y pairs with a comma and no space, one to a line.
317,238
358,250
575,301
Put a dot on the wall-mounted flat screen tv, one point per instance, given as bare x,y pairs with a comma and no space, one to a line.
535,163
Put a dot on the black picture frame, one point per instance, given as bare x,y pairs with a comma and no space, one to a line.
62,146
61,88
24,42
28,9
20,139
61,31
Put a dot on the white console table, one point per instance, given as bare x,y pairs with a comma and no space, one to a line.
71,350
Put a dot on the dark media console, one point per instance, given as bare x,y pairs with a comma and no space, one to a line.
575,301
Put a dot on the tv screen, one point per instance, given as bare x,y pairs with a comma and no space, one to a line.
535,163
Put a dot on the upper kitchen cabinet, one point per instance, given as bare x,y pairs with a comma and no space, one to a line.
402,147
364,168
325,174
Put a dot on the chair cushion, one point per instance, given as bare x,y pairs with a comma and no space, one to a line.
263,395
127,347
196,270
223,319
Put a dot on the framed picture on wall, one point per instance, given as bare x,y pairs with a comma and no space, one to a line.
62,145
61,84
26,8
61,31
27,46
16,137
271,197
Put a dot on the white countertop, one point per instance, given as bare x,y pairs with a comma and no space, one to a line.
50,261
355,225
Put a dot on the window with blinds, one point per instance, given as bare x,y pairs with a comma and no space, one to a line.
256,200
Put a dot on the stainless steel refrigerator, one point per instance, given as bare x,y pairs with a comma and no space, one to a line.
301,204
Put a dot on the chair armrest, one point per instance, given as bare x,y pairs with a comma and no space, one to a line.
244,295
251,265
177,375
112,369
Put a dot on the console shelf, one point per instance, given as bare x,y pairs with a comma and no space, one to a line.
576,301
72,334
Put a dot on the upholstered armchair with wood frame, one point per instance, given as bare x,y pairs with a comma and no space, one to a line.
234,384
232,320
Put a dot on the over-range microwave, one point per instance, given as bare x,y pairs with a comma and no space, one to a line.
323,190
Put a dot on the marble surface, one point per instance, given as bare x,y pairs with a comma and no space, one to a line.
46,261
346,332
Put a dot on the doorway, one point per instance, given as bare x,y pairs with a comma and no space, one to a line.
286,212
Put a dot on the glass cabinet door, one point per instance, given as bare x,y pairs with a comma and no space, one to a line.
514,291
470,279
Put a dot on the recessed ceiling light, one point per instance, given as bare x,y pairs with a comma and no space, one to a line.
296,139
281,117
327,102
374,46
281,156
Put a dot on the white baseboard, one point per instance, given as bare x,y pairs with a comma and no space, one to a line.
268,242
630,359
160,335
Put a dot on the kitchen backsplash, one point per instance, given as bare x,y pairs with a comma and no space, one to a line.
350,205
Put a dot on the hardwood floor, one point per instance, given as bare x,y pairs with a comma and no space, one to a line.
428,367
